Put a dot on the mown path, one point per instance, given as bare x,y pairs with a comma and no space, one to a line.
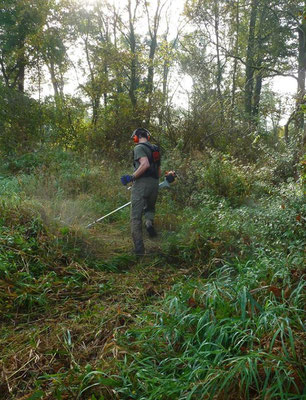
78,325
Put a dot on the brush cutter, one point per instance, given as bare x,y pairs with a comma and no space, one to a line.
169,178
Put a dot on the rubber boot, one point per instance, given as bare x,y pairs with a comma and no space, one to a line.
150,228
136,229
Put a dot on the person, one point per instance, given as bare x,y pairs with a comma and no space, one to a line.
146,161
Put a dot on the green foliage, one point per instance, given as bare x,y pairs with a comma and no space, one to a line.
19,26
223,178
20,122
117,263
110,139
237,330
214,175
216,313
228,320
25,163
65,122
31,244
216,230
217,336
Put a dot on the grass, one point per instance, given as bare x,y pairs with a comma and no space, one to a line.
216,312
84,313
207,339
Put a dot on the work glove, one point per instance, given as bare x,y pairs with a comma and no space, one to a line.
125,179
170,177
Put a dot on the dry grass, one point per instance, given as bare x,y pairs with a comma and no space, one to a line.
79,327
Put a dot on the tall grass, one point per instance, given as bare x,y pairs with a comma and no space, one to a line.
64,187
226,323
237,333
209,339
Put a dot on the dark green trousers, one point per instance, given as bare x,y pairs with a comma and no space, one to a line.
143,200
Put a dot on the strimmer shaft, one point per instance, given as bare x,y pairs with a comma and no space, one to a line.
163,184
112,212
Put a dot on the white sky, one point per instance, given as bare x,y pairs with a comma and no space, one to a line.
284,85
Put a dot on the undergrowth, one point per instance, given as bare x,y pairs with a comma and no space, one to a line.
215,311
228,334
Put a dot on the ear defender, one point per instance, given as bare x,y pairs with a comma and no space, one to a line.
140,132
147,133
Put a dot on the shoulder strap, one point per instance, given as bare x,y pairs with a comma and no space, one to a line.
148,154
149,146
152,147
154,160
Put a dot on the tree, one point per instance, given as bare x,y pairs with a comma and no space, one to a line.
209,17
91,26
20,122
20,21
250,58
294,12
52,44
301,64
153,31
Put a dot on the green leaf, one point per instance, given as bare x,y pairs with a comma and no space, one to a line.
37,395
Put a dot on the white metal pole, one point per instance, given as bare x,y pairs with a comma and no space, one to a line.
112,212
165,183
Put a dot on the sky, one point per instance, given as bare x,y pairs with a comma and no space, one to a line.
284,85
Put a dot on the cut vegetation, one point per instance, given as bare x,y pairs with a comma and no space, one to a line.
216,307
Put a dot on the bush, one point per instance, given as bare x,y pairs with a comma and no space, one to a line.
223,178
65,122
211,174
20,122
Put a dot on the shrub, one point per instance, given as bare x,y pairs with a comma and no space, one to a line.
211,174
223,178
20,122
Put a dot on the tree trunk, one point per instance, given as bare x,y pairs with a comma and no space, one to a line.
219,67
21,63
21,76
257,93
150,77
149,88
53,78
134,61
250,59
234,85
103,23
95,111
301,71
133,82
259,62
119,87
164,92
153,46
94,92
106,77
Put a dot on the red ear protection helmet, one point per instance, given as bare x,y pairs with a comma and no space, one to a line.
140,132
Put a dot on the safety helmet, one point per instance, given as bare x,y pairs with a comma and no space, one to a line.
140,132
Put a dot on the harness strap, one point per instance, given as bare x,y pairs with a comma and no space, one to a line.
154,160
